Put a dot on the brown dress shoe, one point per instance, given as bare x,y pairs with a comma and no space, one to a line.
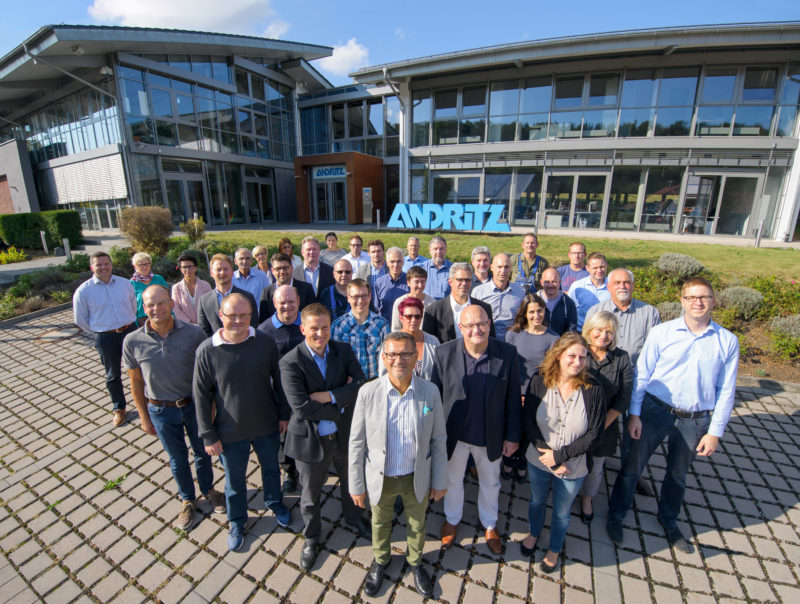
493,541
119,417
448,534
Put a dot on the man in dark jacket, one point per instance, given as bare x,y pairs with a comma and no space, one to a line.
321,379
251,410
208,317
561,315
441,317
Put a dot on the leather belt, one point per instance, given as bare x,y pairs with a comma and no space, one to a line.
328,436
179,403
678,412
119,329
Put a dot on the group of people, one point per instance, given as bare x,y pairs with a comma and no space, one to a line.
406,373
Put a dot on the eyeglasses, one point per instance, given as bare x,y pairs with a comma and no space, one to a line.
186,267
282,267
691,299
240,317
465,280
358,297
393,356
481,325
356,245
342,272
415,317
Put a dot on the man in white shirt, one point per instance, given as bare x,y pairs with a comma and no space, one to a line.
590,290
357,257
105,306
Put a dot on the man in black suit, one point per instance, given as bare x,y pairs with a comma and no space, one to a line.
321,379
221,268
441,317
282,271
317,274
478,378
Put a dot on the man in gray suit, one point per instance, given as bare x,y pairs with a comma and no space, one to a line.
221,267
407,446
317,274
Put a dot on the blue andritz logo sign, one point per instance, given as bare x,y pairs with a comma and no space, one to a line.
457,216
328,172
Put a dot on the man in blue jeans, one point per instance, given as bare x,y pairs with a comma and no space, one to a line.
239,402
684,390
159,357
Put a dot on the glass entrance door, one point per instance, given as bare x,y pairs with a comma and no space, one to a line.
185,198
330,201
719,204
736,205
260,202
574,201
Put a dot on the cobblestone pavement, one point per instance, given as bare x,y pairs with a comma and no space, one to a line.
87,513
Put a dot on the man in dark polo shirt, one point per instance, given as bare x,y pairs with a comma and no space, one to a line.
236,372
284,328
159,357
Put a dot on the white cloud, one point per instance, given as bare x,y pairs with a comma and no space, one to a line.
400,33
276,29
231,16
346,58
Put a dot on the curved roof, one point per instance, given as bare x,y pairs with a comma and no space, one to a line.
641,41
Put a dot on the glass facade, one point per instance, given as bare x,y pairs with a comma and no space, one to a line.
675,101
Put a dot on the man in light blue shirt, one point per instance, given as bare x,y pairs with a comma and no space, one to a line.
684,391
501,294
413,258
247,278
438,269
590,290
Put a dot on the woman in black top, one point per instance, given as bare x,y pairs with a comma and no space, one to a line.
611,366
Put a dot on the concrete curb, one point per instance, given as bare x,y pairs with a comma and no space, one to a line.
747,381
35,314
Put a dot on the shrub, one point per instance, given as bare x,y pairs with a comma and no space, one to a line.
201,274
680,266
194,228
670,310
12,255
21,287
148,227
44,279
727,317
165,267
61,296
32,304
745,301
78,264
785,337
120,256
654,287
9,306
781,297
22,230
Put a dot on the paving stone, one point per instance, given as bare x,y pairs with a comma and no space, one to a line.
308,590
175,590
758,590
238,590
110,585
350,578
725,584
476,594
635,590
283,578
514,581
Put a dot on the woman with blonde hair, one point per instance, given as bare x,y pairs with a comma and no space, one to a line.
562,416
261,255
611,367
143,278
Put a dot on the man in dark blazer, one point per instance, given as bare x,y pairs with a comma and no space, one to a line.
478,378
439,317
317,274
221,267
321,379
282,271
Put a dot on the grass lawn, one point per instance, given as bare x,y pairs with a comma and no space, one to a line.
729,262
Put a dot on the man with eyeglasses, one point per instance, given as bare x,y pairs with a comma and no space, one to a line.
442,318
321,379
233,413
282,272
399,420
334,298
392,285
362,328
576,267
247,278
501,294
683,391
221,268
413,258
357,257
478,379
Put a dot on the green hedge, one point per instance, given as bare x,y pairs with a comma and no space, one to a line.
22,230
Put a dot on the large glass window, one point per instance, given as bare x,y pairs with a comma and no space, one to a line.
624,195
421,118
565,124
753,120
527,194
661,199
678,87
337,119
568,93
759,84
533,126
639,88
497,188
636,122
673,121
719,84
714,121
603,90
536,95
600,123
355,118
392,125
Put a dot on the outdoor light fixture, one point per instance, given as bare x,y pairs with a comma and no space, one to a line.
78,50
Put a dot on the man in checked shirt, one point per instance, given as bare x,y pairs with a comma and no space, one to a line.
361,328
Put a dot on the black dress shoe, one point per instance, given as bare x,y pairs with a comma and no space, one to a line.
361,527
521,476
289,485
506,474
587,518
422,582
374,579
546,568
309,554
527,551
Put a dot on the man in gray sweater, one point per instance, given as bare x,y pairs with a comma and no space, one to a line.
232,413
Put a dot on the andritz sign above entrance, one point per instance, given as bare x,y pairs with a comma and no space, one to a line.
328,172
457,216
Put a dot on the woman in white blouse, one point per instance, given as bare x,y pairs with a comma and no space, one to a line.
186,293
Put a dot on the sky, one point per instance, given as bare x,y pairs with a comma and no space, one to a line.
371,33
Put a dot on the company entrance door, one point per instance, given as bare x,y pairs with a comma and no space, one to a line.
329,193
